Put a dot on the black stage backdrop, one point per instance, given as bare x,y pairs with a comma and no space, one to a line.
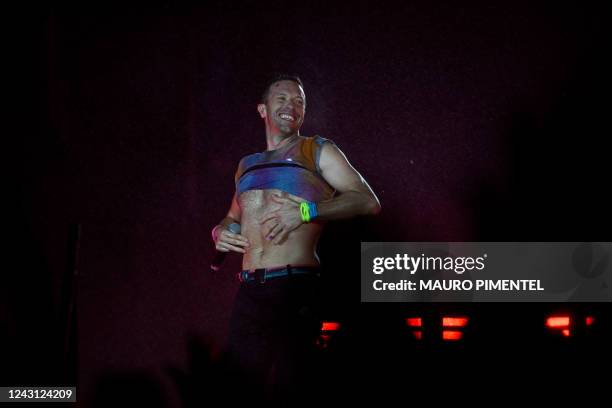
474,122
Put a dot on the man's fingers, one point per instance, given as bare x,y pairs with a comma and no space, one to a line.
279,199
280,237
285,198
220,247
235,238
293,200
268,217
238,242
226,247
275,230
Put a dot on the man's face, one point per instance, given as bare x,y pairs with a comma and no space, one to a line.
285,107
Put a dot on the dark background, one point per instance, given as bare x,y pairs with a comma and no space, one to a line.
484,121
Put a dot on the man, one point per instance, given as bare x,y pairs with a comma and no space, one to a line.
283,197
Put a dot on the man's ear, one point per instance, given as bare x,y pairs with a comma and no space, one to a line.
261,108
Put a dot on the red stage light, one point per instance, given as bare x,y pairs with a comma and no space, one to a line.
590,320
418,334
452,335
566,332
556,322
454,321
414,322
330,326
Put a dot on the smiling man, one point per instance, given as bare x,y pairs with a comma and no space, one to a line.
284,195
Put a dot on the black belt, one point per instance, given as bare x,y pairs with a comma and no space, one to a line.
261,275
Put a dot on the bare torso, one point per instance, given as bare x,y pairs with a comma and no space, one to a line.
298,249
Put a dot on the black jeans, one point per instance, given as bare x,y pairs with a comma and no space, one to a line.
273,330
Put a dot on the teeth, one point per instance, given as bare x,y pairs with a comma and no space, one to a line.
286,117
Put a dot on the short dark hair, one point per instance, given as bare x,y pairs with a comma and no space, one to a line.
276,78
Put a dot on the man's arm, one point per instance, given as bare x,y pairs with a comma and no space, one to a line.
355,196
225,240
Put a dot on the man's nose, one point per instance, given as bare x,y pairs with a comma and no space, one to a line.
292,102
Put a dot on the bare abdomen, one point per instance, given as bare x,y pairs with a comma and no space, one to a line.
298,249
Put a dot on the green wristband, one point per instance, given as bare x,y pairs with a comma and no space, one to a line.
305,212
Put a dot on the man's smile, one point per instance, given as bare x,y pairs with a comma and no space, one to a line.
286,116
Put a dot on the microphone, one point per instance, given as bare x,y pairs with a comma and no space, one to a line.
219,257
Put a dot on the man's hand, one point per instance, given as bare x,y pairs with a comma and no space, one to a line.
283,220
226,241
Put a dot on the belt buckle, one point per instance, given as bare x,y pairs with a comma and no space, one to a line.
260,275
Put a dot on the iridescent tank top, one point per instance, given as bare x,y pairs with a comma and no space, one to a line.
293,168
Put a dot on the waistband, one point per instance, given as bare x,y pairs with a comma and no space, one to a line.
261,275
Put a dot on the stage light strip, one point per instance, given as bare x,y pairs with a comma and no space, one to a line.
454,321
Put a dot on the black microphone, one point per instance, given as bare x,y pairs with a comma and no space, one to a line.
219,257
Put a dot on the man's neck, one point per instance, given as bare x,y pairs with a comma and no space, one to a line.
277,141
